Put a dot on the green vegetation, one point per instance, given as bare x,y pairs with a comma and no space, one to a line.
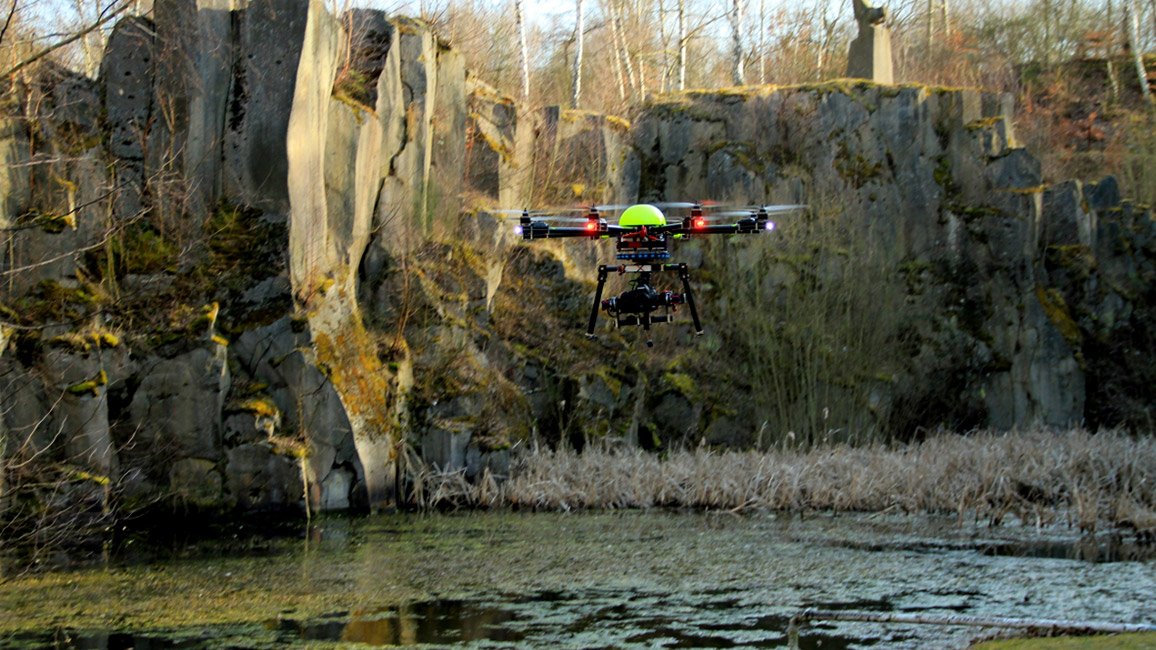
49,300
53,224
854,168
86,341
91,387
261,405
1059,314
1138,160
357,89
680,382
153,284
1117,642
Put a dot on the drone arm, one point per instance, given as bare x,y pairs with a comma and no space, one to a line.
541,231
748,226
681,229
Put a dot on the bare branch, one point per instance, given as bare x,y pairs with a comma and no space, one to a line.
8,21
71,39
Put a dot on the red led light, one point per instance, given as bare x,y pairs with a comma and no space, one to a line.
591,226
700,223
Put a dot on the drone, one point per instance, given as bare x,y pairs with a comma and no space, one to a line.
643,241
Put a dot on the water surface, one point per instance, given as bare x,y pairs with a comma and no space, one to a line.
591,580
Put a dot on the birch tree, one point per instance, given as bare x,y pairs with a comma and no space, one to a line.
762,52
682,45
524,59
1134,41
662,40
617,27
576,96
737,25
617,49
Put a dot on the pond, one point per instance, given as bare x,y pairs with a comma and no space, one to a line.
654,579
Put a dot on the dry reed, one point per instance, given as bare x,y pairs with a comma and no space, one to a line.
1090,481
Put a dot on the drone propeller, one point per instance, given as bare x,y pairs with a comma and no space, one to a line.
776,209
729,214
520,212
610,207
755,211
563,219
539,215
704,205
719,216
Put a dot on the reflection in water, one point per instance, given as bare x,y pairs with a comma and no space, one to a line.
1099,549
606,618
433,622
1092,548
599,618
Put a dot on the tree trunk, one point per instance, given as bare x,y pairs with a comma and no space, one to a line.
682,44
662,38
1134,41
1047,33
617,47
737,18
520,21
615,12
4,335
930,24
762,53
576,96
1113,81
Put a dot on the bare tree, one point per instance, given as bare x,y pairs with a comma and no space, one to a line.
1134,40
662,40
617,47
737,31
579,29
107,13
682,44
762,42
524,59
616,16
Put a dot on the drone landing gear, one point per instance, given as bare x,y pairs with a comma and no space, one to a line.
634,306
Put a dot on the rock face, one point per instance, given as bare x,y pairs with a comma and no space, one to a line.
251,283
210,108
179,402
935,181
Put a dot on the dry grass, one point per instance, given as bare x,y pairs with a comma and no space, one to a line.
1090,481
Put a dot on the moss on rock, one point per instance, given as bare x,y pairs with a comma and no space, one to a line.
91,387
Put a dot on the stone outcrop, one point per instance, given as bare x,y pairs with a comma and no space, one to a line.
179,402
207,108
